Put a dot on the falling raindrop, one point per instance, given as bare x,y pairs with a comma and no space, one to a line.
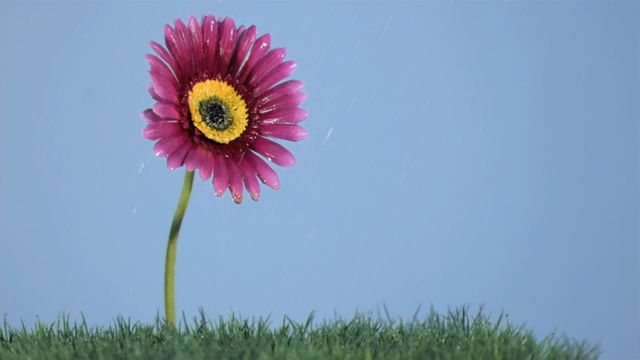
328,136
353,101
386,25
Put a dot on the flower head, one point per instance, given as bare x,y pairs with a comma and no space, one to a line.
220,96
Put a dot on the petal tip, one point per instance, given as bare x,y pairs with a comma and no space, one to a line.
204,176
302,134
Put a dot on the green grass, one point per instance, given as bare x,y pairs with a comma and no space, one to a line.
456,335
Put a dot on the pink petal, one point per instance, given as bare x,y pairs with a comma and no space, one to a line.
235,180
285,88
150,117
259,48
159,67
200,158
220,175
242,49
286,132
250,181
166,111
168,145
264,171
164,87
196,43
154,94
187,46
176,48
227,34
176,159
266,64
210,39
206,169
285,101
160,50
157,130
280,72
273,151
193,160
239,31
283,116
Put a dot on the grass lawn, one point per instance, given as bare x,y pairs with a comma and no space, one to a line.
456,335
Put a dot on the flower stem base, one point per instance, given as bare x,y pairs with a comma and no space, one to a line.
170,262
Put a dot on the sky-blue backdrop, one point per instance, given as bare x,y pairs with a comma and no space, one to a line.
460,153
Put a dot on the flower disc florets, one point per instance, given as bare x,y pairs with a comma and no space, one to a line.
218,111
220,95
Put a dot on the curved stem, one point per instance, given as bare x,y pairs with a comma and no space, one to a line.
170,263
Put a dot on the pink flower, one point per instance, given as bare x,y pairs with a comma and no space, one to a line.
220,96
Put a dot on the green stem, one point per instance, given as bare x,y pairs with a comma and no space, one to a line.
170,264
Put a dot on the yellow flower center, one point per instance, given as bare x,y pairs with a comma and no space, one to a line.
218,111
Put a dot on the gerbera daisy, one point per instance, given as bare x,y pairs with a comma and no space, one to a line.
219,98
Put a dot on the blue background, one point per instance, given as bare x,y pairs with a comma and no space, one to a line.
460,153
